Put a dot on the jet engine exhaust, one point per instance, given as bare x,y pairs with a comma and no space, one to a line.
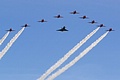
4,37
66,56
60,71
2,53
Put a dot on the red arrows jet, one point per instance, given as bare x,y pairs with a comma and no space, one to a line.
93,21
110,29
84,17
74,12
101,25
25,25
42,20
10,30
58,16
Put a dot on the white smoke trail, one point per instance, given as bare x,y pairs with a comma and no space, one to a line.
63,59
77,58
2,53
4,37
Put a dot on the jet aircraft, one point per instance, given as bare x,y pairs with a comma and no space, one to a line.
42,20
110,29
10,30
74,12
25,25
93,21
58,16
62,29
101,25
84,17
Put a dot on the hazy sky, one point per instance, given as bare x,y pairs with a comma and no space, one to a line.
40,45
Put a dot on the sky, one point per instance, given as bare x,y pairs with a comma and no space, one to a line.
40,45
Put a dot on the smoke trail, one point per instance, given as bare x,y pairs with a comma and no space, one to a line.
63,59
77,58
2,53
4,37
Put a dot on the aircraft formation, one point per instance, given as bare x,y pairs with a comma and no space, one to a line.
64,27
25,25
82,17
47,75
66,56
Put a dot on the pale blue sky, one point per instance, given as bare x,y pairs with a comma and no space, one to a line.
40,45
